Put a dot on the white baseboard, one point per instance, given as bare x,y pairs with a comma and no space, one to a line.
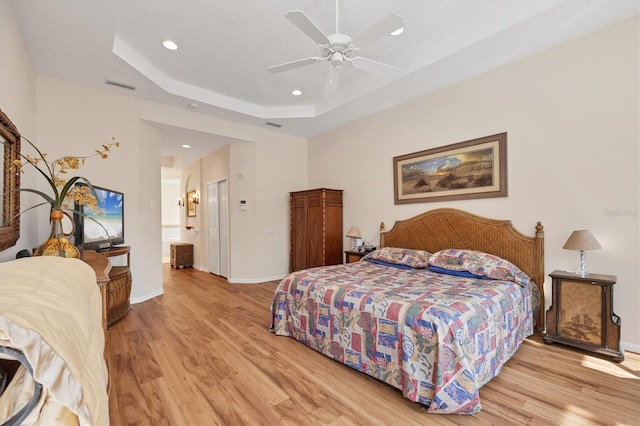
245,280
255,280
631,347
146,297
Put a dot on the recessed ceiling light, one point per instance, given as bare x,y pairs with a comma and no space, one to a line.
186,146
296,92
170,45
397,32
194,105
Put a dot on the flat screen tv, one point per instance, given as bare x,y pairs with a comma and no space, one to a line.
101,231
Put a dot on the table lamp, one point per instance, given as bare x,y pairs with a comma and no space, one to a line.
582,240
354,234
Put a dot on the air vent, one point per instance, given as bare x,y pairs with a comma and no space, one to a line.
269,123
118,84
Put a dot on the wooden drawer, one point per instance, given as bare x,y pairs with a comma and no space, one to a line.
118,290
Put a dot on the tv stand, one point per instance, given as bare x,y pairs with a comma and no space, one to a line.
119,285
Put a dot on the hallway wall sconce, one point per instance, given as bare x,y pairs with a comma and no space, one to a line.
192,202
181,202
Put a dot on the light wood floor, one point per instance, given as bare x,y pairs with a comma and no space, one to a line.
201,354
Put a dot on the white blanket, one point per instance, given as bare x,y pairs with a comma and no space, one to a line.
51,310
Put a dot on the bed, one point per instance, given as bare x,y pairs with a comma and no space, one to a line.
435,312
51,334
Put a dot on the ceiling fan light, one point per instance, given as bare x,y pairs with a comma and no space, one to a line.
336,59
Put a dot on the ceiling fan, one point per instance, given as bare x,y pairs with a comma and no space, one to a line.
339,48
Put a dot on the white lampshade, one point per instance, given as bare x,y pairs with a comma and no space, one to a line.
353,232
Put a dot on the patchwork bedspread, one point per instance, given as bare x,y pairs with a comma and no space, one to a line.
437,338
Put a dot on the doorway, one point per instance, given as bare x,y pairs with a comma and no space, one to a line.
218,227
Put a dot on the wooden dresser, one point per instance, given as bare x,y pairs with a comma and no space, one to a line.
316,228
581,313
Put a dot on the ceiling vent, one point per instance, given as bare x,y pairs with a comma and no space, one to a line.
276,125
122,85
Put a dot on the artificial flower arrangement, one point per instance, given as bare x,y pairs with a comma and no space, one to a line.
64,190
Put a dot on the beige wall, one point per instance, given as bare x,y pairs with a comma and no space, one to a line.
243,237
210,168
74,119
190,181
572,117
216,165
170,210
282,169
262,174
18,101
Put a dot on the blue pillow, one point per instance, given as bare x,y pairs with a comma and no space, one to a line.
391,265
465,274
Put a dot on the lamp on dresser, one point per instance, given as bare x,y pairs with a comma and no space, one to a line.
582,240
354,234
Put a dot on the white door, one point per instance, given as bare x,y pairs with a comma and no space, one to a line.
218,227
213,220
223,197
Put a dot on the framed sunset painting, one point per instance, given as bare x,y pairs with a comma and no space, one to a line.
475,168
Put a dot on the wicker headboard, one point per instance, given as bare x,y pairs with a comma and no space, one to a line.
451,228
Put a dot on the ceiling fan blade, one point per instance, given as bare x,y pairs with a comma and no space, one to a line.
275,69
374,67
306,25
331,84
389,24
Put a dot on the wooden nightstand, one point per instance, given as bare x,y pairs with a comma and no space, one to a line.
581,313
351,256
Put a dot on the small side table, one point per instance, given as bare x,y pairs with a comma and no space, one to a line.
119,287
351,256
181,255
581,313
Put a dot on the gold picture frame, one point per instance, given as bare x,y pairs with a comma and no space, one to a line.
471,169
9,183
192,201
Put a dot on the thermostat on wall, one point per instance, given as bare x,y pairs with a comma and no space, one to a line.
243,205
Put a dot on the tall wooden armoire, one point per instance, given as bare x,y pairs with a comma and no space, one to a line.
316,228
